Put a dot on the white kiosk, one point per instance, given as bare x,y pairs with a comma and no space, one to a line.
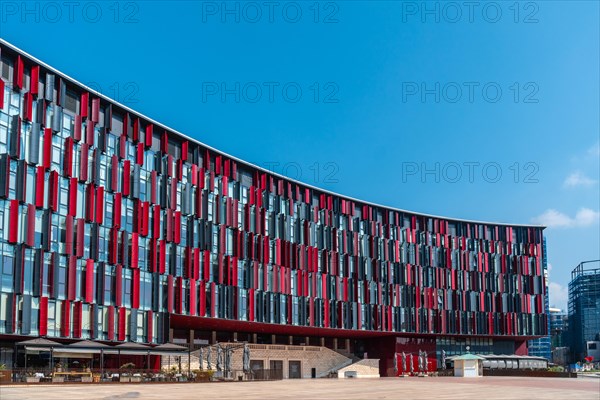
468,365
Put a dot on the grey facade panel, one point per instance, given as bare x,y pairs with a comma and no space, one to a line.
34,143
57,118
49,86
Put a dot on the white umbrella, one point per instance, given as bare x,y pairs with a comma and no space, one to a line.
208,359
246,360
219,358
201,358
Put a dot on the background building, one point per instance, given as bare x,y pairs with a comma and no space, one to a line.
116,228
559,325
584,307
541,347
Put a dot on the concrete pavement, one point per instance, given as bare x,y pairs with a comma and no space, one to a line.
486,388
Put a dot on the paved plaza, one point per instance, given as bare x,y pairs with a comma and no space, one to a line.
487,388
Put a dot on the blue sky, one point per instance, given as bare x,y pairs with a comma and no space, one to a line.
500,103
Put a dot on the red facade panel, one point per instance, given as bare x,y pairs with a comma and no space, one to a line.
150,325
73,197
13,221
111,323
89,281
126,177
43,324
18,74
122,324
77,311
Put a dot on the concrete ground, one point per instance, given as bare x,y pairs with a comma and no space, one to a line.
487,388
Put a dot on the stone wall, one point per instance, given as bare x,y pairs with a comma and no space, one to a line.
368,368
324,360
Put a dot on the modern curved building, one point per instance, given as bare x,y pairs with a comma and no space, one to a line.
117,228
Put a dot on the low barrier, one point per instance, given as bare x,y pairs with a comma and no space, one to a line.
528,373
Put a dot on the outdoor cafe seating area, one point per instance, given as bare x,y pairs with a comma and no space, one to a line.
42,360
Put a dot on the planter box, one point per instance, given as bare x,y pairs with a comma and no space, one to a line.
32,379
5,376
87,379
136,379
124,379
58,379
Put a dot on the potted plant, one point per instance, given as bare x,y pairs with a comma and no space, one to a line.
30,376
125,375
58,367
204,375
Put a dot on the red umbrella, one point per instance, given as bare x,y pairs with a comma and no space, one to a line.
589,358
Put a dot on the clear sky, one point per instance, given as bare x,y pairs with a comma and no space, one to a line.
497,102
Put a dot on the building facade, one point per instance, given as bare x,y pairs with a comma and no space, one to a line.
117,228
584,307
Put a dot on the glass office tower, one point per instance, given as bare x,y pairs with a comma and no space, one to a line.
584,307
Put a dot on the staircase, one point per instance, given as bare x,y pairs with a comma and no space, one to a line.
336,368
349,355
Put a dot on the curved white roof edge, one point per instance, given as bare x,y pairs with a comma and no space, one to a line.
249,164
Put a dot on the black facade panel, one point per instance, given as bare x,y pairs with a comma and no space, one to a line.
26,315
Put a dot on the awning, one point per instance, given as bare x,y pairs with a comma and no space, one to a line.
77,351
68,354
36,350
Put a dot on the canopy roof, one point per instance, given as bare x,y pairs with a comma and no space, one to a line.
170,346
467,356
39,342
89,344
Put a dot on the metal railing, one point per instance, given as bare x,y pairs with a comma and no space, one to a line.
94,375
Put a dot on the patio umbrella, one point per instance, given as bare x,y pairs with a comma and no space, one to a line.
219,358
246,358
395,363
403,362
200,358
208,359
412,368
